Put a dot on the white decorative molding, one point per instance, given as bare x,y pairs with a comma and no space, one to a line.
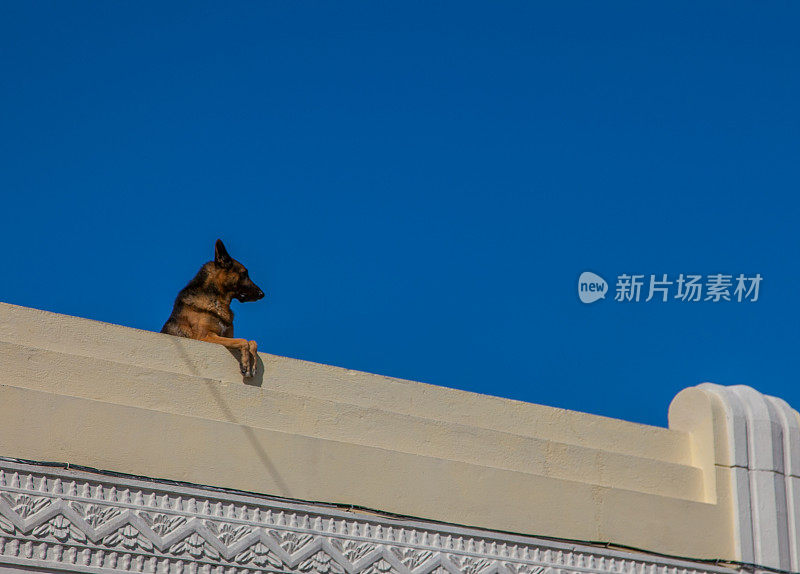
763,443
56,519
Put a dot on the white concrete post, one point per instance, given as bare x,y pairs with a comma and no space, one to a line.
757,449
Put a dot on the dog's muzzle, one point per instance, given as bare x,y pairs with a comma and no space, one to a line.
250,296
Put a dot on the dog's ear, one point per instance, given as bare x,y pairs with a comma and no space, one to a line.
221,256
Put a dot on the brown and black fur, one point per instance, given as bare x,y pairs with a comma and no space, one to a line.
202,309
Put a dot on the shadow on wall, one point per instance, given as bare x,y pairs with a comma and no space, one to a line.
255,381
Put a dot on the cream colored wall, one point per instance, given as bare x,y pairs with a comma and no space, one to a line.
120,399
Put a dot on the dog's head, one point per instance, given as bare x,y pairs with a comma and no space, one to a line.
232,276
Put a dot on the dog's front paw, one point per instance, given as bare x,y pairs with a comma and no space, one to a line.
252,347
246,363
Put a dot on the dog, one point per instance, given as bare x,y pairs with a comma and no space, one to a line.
202,309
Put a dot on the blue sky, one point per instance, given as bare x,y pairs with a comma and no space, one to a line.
418,185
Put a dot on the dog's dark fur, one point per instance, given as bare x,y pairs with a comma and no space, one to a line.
202,309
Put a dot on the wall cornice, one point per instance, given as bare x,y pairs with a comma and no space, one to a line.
65,520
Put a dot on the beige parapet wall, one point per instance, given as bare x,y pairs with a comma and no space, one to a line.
131,401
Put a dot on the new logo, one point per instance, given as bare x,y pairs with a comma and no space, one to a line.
591,287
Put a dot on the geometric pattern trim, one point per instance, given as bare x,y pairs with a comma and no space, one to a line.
57,519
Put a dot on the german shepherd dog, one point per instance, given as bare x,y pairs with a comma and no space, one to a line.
202,309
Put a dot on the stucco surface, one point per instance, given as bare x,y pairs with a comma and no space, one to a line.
106,396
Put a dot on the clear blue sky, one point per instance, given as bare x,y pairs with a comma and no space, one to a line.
418,185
